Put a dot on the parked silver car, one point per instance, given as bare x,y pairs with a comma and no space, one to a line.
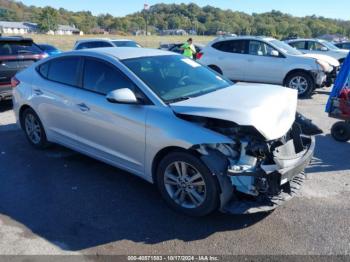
266,60
171,121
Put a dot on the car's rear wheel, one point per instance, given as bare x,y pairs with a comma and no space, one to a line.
341,131
302,82
34,129
187,185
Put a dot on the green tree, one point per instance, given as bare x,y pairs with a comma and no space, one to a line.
48,19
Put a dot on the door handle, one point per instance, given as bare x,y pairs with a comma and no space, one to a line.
83,107
38,92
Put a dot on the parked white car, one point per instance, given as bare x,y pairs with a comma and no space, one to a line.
200,138
265,60
318,46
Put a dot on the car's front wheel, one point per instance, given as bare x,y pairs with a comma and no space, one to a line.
302,82
34,129
187,185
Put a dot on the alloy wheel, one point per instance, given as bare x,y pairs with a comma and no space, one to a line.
299,83
32,128
185,185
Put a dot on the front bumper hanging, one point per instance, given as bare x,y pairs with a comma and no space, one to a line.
288,182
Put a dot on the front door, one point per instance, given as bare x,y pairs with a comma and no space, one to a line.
112,132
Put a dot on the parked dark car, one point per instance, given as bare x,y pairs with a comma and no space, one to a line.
176,47
16,54
343,45
49,49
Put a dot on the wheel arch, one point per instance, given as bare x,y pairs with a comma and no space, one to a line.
165,151
21,111
298,70
216,68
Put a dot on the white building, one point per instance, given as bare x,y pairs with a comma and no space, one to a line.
22,28
19,28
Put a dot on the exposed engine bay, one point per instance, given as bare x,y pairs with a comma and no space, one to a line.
254,173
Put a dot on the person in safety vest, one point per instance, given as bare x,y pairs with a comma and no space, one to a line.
189,49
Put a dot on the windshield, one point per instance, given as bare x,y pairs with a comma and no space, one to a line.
330,45
125,44
285,48
174,78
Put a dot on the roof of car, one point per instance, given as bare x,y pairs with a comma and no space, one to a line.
244,37
99,39
305,39
15,38
125,52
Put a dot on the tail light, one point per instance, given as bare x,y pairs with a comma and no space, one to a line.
14,82
199,55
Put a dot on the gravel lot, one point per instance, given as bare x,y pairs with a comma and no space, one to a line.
61,202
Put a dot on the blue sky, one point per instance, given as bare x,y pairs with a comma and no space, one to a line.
333,9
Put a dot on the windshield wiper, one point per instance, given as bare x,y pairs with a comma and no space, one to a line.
178,99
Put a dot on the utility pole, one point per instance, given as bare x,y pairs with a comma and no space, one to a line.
146,8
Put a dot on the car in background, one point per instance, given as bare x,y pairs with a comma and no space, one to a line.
16,54
176,47
343,45
104,42
265,60
205,142
50,49
319,46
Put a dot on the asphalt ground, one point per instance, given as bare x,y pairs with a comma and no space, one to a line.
61,202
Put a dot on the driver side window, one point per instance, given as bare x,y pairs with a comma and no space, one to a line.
102,78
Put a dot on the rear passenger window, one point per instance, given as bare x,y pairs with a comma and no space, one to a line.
234,46
64,70
43,69
103,78
299,45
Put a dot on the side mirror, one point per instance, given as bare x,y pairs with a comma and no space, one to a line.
323,48
275,53
122,96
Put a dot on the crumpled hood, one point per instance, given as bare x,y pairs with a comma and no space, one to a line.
270,109
330,60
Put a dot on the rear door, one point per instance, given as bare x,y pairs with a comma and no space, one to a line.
299,45
231,58
53,94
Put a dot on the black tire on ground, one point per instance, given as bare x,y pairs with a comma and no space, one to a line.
216,69
39,140
209,192
341,131
301,77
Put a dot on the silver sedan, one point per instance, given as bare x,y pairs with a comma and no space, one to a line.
205,142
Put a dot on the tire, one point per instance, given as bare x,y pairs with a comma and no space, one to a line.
34,129
341,131
301,81
216,69
197,198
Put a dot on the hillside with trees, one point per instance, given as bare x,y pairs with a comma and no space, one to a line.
206,20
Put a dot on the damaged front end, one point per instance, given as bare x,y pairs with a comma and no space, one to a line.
255,175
